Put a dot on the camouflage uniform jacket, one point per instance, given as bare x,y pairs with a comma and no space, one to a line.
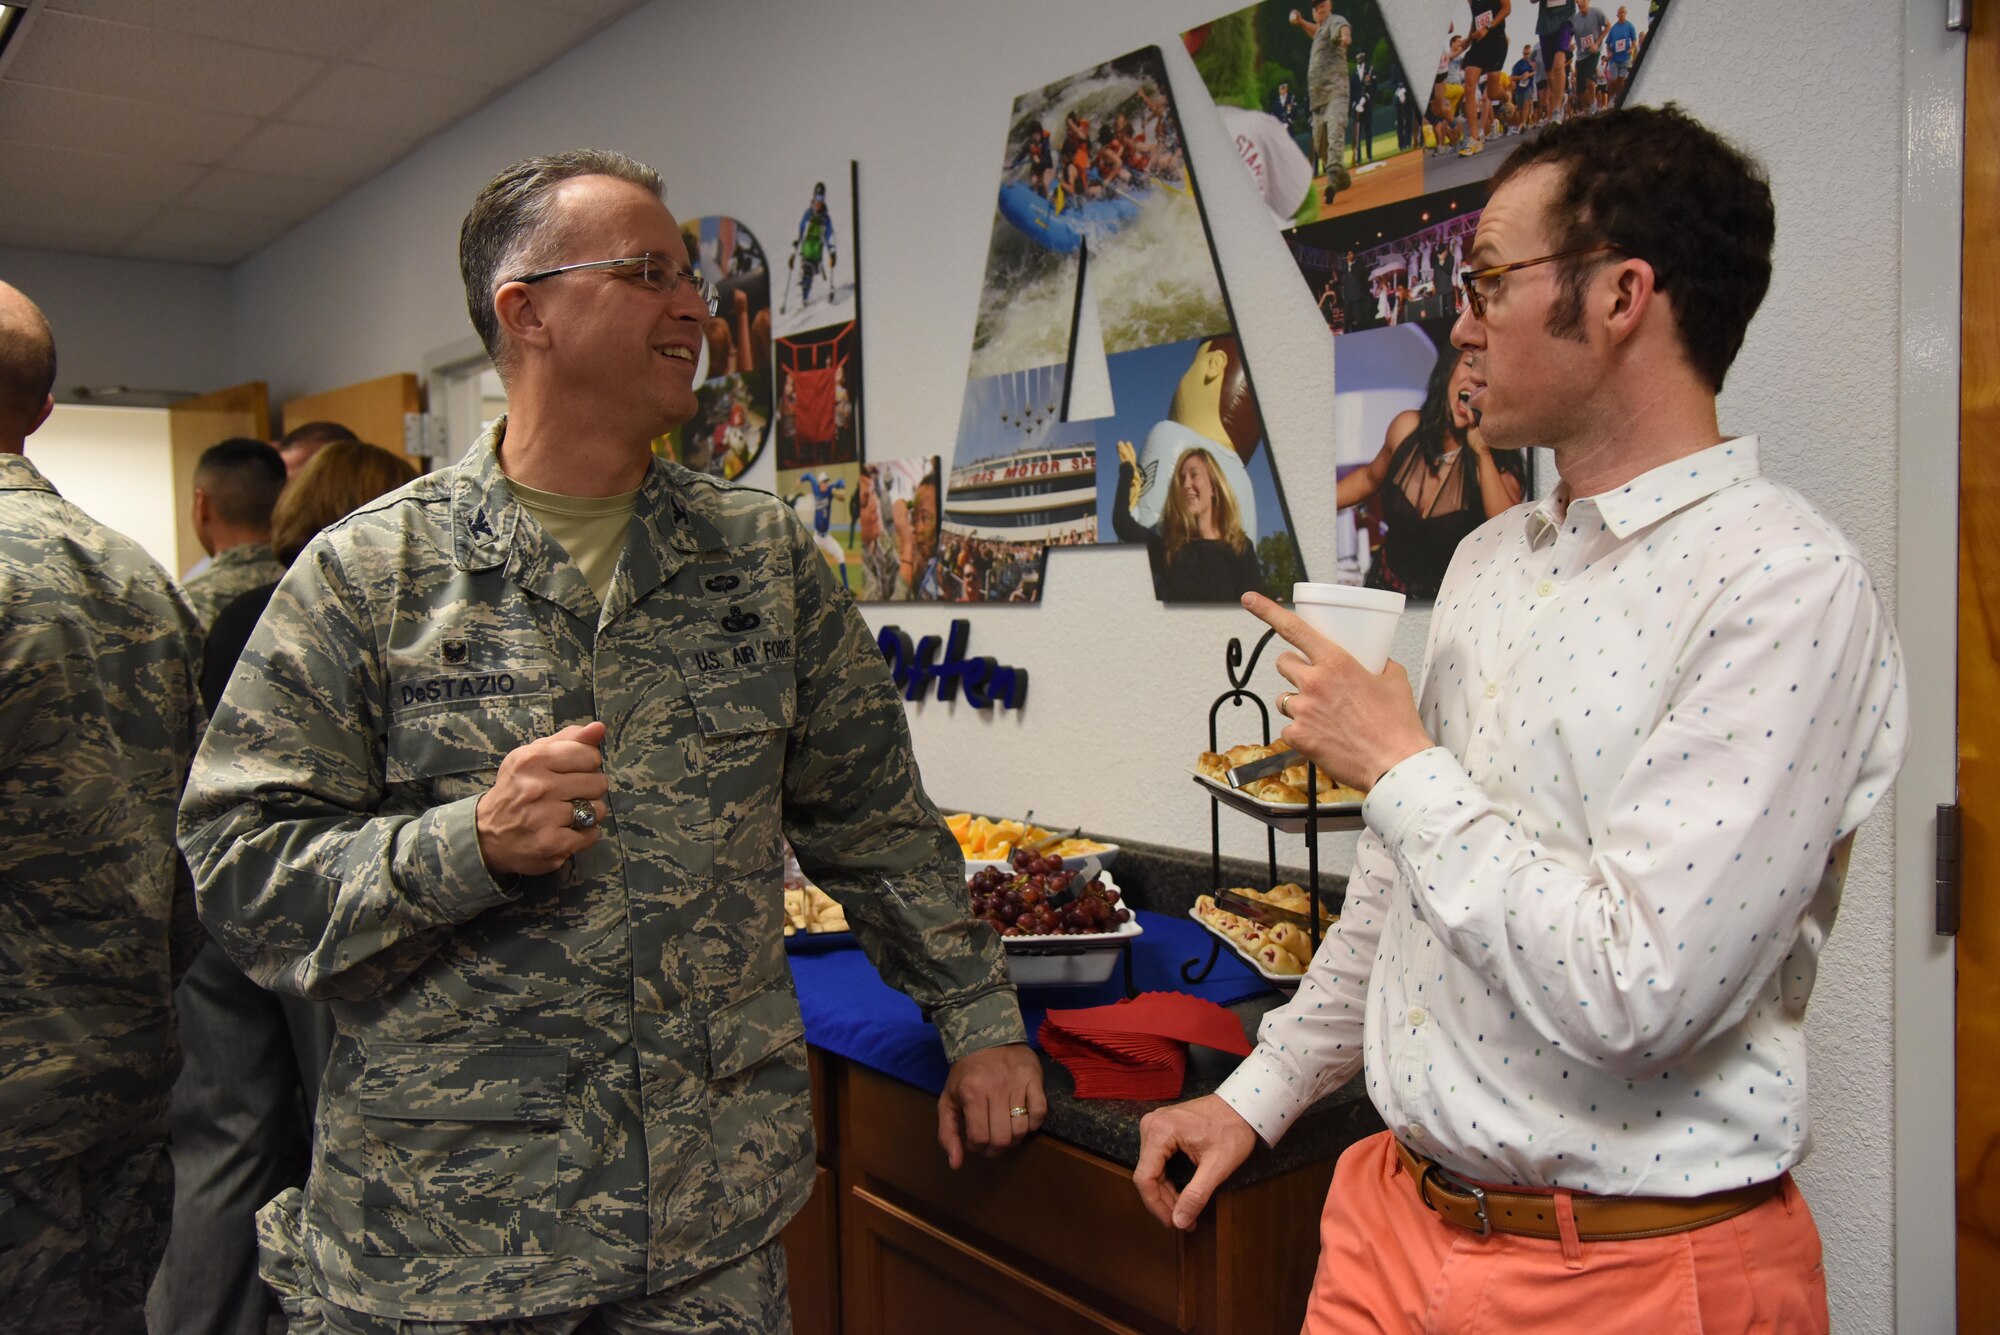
592,1084
99,718
234,571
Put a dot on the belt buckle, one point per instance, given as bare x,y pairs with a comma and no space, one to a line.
1454,1182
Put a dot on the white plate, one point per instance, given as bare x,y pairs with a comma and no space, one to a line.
1089,957
1105,857
1349,808
1282,979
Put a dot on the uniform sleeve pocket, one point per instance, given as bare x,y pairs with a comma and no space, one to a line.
746,1032
753,701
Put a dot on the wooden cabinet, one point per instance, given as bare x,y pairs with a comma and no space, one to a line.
1050,1238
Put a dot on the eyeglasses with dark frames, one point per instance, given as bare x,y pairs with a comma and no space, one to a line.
650,271
1470,279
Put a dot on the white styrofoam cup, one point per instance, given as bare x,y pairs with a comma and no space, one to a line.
1361,621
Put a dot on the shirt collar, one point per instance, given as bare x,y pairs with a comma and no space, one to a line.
1654,495
17,474
243,554
485,516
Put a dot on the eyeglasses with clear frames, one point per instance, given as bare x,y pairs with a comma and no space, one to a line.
651,271
1470,279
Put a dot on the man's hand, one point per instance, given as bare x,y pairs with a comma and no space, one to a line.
1208,1131
979,1099
1354,724
524,818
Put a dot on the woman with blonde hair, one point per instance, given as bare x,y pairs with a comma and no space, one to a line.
1200,553
241,1115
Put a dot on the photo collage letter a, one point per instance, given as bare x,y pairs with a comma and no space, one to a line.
1098,204
1376,170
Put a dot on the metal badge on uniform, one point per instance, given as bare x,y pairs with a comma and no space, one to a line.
740,622
454,652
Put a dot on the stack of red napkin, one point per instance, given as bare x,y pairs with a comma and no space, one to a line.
1137,1049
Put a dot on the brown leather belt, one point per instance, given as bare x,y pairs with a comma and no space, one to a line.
1598,1218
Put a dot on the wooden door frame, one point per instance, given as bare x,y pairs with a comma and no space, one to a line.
1925,1231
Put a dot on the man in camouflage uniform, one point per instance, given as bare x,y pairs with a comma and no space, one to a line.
236,484
1327,88
515,809
99,717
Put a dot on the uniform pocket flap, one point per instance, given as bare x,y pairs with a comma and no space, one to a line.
745,1032
461,738
424,1082
753,701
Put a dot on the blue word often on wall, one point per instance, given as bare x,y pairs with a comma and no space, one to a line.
914,667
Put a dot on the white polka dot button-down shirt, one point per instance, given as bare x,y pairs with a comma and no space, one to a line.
1581,931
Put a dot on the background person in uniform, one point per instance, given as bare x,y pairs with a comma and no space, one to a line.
235,485
251,1060
568,1081
302,442
98,721
1603,853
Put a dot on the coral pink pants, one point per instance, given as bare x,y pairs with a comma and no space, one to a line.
1388,1262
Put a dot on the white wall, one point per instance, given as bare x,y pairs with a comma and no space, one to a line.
738,106
136,323
117,466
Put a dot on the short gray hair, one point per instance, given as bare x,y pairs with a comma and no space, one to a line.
511,227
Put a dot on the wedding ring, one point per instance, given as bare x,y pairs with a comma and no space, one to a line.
1284,702
1017,1112
582,815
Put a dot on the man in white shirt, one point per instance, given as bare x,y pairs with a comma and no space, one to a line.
1604,850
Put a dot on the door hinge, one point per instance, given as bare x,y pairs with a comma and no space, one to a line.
1950,869
1958,15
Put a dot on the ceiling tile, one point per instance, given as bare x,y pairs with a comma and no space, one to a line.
32,169
304,27
151,65
479,41
596,9
394,103
187,226
62,209
257,194
57,238
324,155
62,118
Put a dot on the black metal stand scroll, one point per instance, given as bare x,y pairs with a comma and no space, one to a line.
1239,691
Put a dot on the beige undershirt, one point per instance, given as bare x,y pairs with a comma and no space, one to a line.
591,529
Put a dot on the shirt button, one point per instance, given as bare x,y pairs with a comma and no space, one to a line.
1416,1016
1546,588
1492,690
1413,1132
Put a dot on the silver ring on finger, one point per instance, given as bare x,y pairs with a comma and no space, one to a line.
582,815
1283,704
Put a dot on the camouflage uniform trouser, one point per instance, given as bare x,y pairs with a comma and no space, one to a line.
1330,142
80,1239
745,1297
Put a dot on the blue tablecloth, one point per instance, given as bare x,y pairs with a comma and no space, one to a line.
851,1012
